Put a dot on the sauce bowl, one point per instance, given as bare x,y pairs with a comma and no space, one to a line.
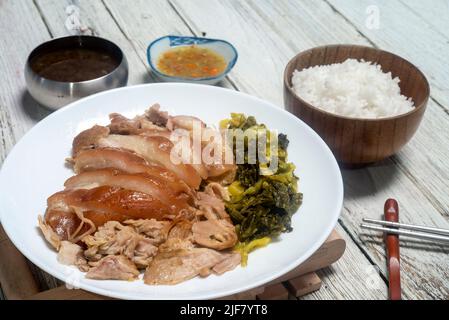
222,47
56,94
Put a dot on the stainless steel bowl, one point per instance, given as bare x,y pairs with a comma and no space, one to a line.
56,94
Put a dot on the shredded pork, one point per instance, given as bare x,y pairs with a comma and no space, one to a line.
179,261
113,268
214,234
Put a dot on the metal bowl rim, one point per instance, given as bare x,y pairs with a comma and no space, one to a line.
28,68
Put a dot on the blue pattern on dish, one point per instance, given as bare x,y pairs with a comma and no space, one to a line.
185,41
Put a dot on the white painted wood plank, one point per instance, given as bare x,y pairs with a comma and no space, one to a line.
97,20
249,45
265,33
430,171
18,112
424,159
433,12
313,23
380,182
425,267
256,59
407,34
22,29
146,21
135,22
137,30
353,268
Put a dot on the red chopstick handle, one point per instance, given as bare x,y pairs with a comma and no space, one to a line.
391,212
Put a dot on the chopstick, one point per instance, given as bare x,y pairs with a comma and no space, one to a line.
391,214
429,233
392,229
408,226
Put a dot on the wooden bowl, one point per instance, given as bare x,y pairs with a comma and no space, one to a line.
354,141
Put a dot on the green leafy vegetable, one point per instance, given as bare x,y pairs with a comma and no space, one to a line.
283,141
262,205
246,247
248,174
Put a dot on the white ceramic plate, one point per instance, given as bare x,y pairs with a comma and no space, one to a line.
35,169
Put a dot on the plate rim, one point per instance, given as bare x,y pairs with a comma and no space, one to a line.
130,295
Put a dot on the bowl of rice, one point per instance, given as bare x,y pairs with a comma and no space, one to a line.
365,103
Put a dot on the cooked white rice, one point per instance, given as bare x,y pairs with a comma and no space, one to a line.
353,88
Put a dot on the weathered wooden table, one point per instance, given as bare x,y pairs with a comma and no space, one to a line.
267,34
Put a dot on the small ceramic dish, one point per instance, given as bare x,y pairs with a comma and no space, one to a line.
222,47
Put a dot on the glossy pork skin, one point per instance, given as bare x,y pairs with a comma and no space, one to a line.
100,205
141,182
154,149
125,161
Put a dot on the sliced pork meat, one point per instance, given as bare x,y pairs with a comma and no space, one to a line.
144,253
88,139
100,205
221,173
200,169
224,171
217,190
72,254
114,238
103,158
173,265
214,234
154,150
154,230
138,125
181,230
230,262
153,141
111,239
221,166
50,234
140,182
147,125
63,225
157,133
69,253
184,122
122,125
173,244
107,199
156,116
113,268
210,207
135,202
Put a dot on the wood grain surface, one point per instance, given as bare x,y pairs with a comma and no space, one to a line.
267,34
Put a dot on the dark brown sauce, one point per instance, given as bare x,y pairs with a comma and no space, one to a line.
74,65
